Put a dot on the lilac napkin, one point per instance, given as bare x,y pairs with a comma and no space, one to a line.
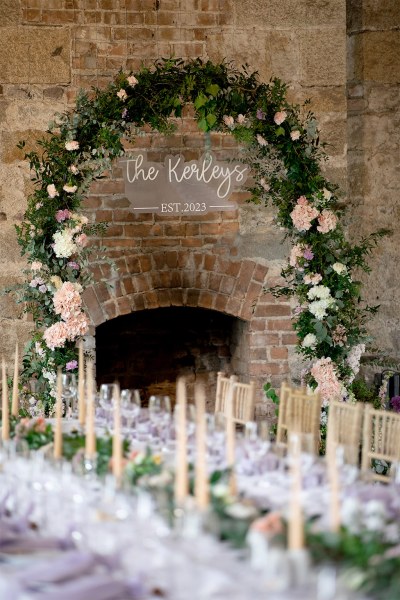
69,565
92,587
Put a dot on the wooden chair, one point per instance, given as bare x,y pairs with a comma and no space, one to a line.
344,428
299,413
244,400
381,440
223,386
281,432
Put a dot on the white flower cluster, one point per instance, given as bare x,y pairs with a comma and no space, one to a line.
339,268
64,245
51,377
322,301
310,341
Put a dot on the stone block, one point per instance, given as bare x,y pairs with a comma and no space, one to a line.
10,253
282,55
323,56
377,56
12,192
333,132
324,99
9,140
291,13
10,12
241,46
10,332
371,14
35,55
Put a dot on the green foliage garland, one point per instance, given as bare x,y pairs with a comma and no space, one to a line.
280,144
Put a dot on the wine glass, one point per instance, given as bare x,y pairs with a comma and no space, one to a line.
106,396
68,393
130,406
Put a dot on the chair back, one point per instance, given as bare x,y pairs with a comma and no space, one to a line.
244,399
381,440
299,412
223,386
281,432
344,428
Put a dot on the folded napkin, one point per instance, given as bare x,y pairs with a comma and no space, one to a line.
27,543
69,565
91,587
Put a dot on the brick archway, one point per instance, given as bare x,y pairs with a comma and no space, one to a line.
200,279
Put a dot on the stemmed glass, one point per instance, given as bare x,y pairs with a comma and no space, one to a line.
130,406
107,392
69,389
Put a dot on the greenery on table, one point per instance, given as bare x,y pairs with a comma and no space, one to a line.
280,142
367,561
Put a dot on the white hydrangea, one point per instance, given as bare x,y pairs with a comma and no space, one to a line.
319,291
64,245
353,359
319,307
309,341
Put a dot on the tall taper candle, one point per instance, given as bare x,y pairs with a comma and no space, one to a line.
57,452
334,496
296,519
230,440
181,474
15,403
201,488
5,415
117,440
90,441
81,386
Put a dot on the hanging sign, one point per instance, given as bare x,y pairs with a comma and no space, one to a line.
179,187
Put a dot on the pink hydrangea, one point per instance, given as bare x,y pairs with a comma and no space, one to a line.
56,335
62,215
67,301
303,213
280,117
327,221
324,374
296,254
77,326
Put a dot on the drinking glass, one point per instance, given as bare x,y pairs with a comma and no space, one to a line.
130,406
106,396
69,389
157,405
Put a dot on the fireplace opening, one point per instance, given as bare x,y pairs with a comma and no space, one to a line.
149,349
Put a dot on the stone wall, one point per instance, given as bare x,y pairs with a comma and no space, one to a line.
374,153
50,48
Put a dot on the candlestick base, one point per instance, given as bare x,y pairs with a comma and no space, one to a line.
89,466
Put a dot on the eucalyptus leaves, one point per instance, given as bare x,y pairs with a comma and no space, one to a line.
280,144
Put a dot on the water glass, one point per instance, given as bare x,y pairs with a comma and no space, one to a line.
69,389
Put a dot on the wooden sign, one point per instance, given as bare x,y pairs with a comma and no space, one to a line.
179,187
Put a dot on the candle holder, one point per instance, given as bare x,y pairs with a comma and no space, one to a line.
89,466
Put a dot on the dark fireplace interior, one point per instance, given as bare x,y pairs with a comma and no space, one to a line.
149,349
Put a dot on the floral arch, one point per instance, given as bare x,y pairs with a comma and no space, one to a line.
280,144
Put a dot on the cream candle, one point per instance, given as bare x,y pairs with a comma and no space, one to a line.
57,450
90,440
201,476
5,416
15,400
181,473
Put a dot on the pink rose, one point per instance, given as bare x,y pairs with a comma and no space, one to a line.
82,240
280,117
52,190
122,95
70,189
132,81
229,121
62,215
295,135
241,119
72,145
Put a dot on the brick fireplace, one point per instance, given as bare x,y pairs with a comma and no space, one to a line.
202,274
